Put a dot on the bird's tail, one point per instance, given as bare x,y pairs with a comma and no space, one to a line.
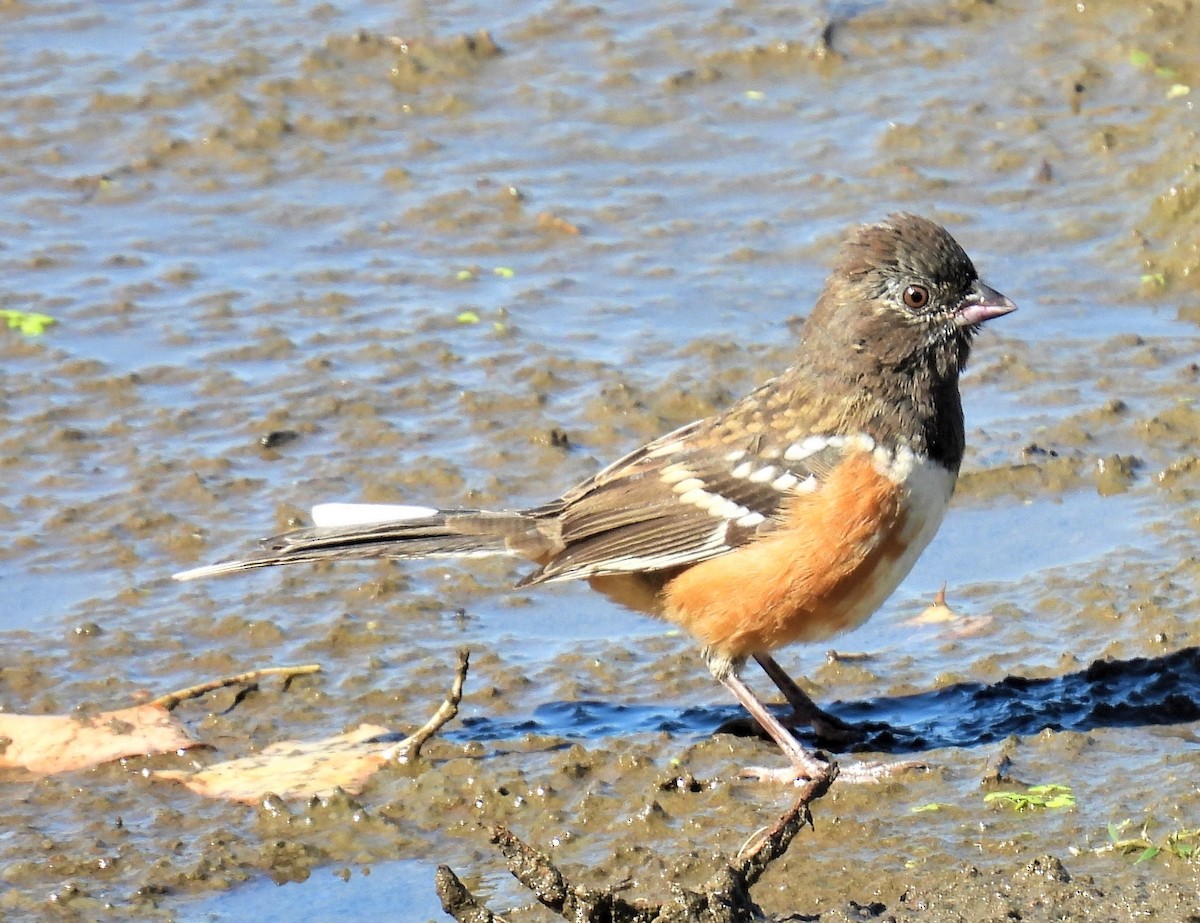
349,530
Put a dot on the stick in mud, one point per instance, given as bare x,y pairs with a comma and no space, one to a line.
724,898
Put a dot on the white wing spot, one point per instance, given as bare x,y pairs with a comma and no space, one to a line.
728,509
750,520
743,470
709,502
669,448
736,455
898,465
672,474
785,481
811,445
697,497
762,475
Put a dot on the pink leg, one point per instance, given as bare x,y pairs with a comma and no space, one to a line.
827,727
804,765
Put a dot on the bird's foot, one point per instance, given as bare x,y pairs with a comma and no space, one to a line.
856,773
806,766
829,730
791,775
859,773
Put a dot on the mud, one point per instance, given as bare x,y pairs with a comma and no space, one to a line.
353,224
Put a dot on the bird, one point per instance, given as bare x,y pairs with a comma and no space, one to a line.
789,517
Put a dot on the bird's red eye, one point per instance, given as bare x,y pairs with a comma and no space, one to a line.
916,296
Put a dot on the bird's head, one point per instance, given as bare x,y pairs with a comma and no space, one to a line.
907,295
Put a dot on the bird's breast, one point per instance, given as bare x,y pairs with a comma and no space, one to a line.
838,554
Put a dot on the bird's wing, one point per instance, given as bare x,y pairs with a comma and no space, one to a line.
686,497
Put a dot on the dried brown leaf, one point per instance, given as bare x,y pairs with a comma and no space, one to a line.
293,768
48,744
548,221
302,769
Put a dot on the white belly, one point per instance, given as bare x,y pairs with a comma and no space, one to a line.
928,488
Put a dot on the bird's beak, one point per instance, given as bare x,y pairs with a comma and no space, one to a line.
982,303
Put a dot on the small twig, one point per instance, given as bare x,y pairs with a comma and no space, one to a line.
171,699
537,871
240,696
749,866
724,898
458,901
533,869
446,712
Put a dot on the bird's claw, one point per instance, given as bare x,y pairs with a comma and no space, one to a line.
856,773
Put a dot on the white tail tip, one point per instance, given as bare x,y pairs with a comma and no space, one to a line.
209,570
338,515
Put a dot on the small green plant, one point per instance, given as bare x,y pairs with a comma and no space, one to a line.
928,808
1051,796
1183,844
29,323
1145,61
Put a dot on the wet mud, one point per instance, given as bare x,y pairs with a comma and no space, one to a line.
456,256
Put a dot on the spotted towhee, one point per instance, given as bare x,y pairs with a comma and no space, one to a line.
789,517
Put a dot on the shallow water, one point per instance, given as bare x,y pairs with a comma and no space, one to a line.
255,221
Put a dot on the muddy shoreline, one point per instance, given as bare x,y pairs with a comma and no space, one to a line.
465,257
